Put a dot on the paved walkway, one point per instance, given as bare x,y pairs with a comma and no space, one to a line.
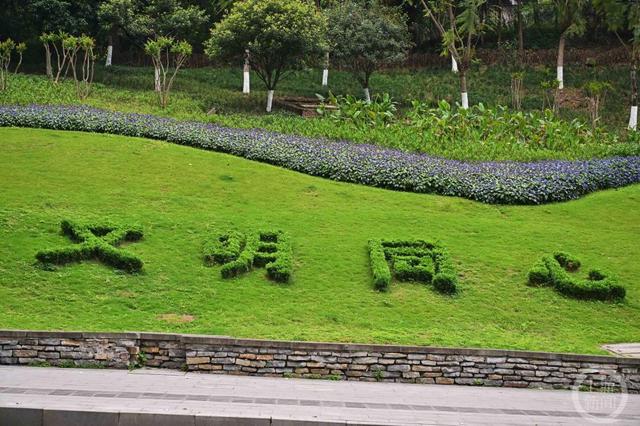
63,396
631,350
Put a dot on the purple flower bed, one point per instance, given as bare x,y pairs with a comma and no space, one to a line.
488,182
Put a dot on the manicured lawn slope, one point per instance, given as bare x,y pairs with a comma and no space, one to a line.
179,194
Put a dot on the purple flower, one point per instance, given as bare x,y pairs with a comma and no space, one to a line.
488,182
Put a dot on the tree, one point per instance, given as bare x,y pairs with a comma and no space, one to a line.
6,48
281,36
620,16
570,18
20,49
168,56
141,19
364,37
459,24
55,42
83,77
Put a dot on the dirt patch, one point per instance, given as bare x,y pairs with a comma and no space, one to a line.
572,98
176,318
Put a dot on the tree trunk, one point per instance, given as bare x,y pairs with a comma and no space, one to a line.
157,79
48,63
107,62
633,115
325,71
454,65
560,74
463,90
520,33
269,100
246,80
367,95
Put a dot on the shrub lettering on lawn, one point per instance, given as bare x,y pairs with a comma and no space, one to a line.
239,253
96,241
412,260
556,271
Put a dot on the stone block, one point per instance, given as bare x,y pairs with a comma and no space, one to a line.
198,360
399,367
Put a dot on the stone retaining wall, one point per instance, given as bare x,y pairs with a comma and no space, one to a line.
224,355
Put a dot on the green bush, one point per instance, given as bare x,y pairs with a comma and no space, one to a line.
379,266
567,261
555,271
224,248
412,260
96,241
239,253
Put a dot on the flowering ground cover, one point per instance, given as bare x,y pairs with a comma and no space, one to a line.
214,95
180,196
489,182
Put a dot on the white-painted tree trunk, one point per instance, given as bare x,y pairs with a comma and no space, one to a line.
157,79
633,118
246,83
367,95
560,78
107,63
560,73
454,65
269,100
325,77
465,100
246,75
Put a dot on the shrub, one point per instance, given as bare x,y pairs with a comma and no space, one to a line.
412,260
488,182
554,271
224,248
96,241
567,261
239,253
379,268
378,112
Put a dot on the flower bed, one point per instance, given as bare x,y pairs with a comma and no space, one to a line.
488,182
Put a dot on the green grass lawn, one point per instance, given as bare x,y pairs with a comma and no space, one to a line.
181,195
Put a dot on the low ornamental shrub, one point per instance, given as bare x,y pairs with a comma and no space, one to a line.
224,248
239,253
554,271
96,241
412,260
488,182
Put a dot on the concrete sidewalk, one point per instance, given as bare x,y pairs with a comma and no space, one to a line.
55,397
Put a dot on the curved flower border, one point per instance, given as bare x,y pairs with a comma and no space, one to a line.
487,182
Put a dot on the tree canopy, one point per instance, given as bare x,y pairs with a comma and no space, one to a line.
365,36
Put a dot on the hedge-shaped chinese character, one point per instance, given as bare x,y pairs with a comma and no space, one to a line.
412,260
239,253
96,241
554,271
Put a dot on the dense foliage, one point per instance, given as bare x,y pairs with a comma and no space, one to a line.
554,271
489,182
412,260
239,253
365,36
499,128
281,35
